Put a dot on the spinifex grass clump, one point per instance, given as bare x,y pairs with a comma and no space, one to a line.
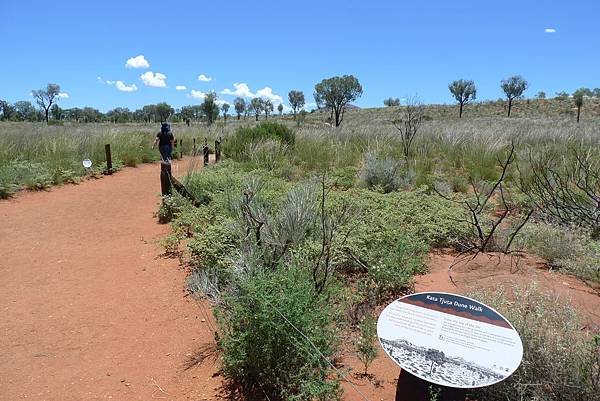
561,362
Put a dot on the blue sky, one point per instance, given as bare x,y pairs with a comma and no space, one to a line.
395,48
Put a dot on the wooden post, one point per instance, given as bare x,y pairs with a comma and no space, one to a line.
165,178
108,159
205,151
181,149
218,150
194,150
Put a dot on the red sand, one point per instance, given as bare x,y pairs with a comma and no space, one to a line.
90,312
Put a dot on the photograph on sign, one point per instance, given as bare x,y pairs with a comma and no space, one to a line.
449,340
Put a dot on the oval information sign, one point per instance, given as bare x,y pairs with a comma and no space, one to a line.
87,163
449,340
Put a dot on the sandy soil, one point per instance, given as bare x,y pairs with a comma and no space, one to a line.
89,309
92,312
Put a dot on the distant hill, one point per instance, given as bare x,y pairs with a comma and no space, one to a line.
523,108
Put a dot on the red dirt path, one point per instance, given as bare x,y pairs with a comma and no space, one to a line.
89,310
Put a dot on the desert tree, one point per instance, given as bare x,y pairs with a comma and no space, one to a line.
225,108
280,108
513,88
45,98
91,115
541,95
24,111
562,95
56,112
240,106
163,111
257,106
337,93
210,108
464,92
391,102
596,92
296,99
408,122
187,113
267,105
578,100
7,110
318,100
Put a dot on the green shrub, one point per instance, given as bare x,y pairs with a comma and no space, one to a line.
237,145
262,351
366,349
560,362
170,207
399,263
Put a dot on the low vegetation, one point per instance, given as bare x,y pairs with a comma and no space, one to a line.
304,228
560,361
348,207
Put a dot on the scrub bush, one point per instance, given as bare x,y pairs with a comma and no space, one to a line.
263,352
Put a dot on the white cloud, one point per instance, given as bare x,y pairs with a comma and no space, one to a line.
204,78
221,102
63,95
241,90
155,80
137,62
550,30
267,93
180,88
120,85
197,94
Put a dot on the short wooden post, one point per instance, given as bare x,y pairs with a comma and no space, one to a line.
194,149
218,150
165,178
205,151
108,159
181,149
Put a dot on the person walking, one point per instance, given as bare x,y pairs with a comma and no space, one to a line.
165,140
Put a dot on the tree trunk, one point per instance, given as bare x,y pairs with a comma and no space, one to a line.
238,117
460,111
256,115
509,106
578,113
47,119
